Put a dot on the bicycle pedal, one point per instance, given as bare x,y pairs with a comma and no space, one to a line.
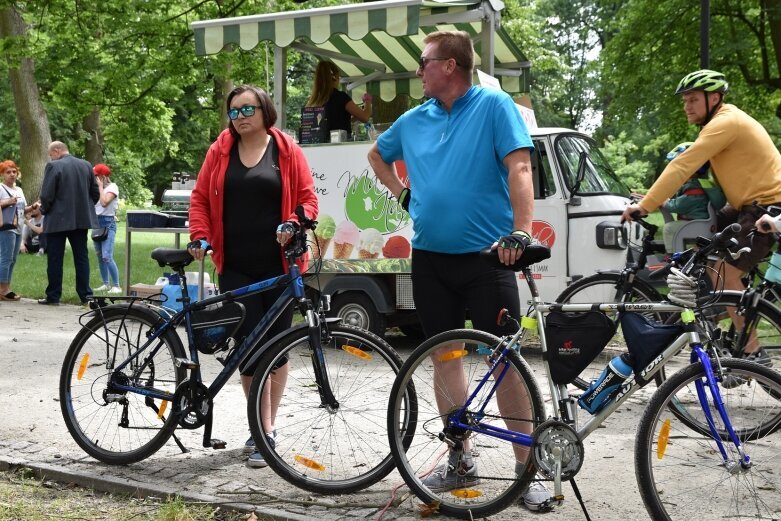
185,362
217,444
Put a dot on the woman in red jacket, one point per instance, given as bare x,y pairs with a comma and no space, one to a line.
250,183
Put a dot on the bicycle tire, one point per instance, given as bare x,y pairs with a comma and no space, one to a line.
496,459
606,288
684,477
96,423
316,448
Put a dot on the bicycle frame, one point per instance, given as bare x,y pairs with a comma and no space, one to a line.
294,291
559,393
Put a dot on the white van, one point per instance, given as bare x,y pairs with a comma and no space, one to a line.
365,235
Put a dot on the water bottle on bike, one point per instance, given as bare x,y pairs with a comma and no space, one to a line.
607,385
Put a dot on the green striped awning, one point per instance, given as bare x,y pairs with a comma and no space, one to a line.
379,42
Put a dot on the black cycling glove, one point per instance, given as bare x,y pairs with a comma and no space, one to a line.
518,240
404,198
199,243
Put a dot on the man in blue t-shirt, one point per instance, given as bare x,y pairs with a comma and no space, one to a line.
468,156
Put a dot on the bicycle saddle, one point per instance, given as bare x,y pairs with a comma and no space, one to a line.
533,254
172,257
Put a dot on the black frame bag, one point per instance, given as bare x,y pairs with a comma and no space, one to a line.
574,340
646,338
212,327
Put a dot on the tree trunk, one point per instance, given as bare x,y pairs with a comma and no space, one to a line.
93,150
34,134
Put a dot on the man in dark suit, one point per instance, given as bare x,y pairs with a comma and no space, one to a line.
68,198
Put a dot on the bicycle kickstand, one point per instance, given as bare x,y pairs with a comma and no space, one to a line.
208,441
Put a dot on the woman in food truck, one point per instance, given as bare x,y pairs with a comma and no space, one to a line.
339,107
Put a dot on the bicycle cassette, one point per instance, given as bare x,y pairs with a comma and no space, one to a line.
556,445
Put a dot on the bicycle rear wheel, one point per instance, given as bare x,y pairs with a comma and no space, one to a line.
119,427
516,404
680,471
317,447
607,288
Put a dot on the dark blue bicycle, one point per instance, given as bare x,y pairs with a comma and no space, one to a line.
127,381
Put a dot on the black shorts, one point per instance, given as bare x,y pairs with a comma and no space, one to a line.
760,243
255,306
445,286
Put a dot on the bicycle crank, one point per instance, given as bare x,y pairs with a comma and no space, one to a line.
557,452
191,404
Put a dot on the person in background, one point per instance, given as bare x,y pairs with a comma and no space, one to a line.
68,198
11,196
468,155
33,238
339,107
745,163
106,210
243,209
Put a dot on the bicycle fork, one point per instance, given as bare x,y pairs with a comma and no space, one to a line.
317,330
732,466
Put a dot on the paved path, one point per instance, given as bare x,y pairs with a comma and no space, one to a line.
33,341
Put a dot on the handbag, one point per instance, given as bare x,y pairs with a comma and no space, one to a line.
9,217
99,234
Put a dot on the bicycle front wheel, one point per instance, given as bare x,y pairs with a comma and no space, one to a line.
322,447
500,470
605,288
680,471
120,427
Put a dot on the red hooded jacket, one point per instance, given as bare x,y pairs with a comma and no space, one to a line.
206,201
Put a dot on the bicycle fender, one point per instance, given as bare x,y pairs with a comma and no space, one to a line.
258,351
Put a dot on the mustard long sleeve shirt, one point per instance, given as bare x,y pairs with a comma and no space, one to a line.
744,159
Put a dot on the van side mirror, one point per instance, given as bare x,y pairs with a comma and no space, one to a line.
581,174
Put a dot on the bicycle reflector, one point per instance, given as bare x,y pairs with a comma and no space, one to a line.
664,436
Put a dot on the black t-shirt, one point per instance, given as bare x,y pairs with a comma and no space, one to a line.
252,209
335,112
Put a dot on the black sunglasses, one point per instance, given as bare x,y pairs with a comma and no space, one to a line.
423,61
247,110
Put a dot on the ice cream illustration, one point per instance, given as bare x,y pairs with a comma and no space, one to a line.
321,237
345,239
397,247
370,244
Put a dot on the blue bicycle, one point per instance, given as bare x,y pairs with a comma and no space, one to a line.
127,381
475,451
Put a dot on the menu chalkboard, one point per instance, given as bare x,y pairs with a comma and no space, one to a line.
314,126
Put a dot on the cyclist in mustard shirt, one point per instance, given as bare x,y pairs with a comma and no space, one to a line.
743,159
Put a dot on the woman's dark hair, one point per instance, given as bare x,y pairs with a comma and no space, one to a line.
264,101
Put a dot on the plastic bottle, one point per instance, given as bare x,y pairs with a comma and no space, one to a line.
607,385
773,273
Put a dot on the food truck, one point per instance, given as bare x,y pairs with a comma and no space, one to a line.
363,233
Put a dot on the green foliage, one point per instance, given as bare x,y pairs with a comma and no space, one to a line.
618,150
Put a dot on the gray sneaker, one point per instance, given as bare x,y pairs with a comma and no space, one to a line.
458,472
256,459
536,497
249,446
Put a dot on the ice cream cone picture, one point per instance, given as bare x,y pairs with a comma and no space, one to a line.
345,239
320,239
397,247
370,244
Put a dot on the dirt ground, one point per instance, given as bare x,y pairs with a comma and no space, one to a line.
34,339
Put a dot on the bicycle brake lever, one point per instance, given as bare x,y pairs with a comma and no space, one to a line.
736,255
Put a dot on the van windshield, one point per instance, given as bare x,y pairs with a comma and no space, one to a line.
599,178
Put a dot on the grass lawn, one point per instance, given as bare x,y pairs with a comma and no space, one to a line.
29,277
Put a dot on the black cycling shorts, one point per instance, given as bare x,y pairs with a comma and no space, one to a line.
445,286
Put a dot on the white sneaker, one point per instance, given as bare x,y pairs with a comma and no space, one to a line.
104,287
115,290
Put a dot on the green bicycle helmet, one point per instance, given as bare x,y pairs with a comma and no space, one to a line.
704,80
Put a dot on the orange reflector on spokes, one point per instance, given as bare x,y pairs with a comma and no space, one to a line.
664,435
466,493
359,353
83,366
452,355
161,410
309,463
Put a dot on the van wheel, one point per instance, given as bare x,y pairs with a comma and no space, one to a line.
356,309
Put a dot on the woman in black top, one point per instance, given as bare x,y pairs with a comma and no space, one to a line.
339,107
